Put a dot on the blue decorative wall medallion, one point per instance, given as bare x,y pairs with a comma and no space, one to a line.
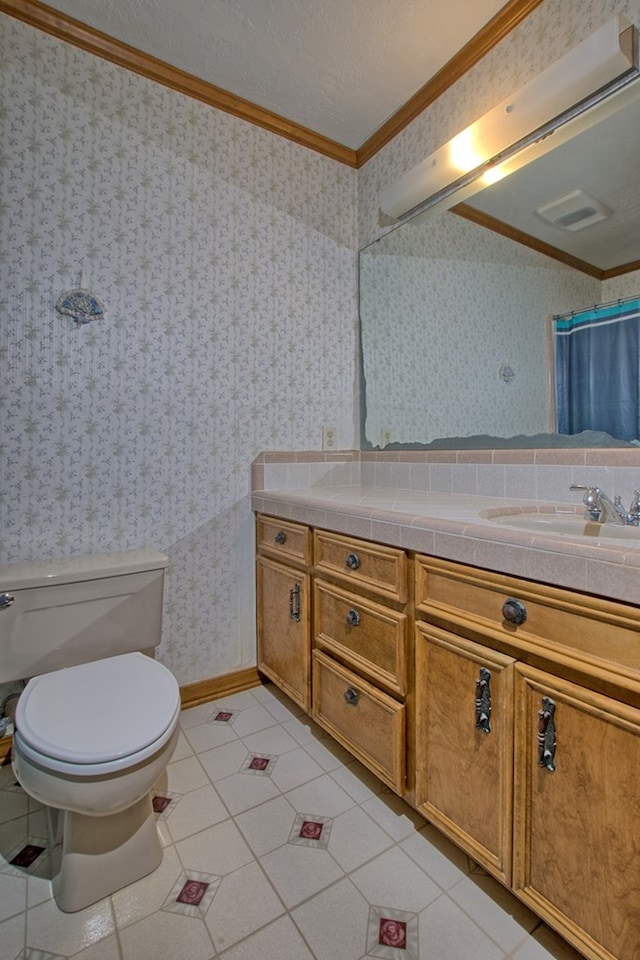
81,305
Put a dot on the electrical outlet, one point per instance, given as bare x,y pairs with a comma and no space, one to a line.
329,438
386,436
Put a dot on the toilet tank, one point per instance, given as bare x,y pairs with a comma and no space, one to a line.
79,609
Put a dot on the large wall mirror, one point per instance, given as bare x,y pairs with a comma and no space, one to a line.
455,304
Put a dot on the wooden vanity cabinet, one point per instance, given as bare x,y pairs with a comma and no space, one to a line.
360,659
506,711
565,688
283,589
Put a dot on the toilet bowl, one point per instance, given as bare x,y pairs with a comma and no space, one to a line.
90,743
97,724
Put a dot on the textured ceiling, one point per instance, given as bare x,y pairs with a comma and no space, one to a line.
602,161
339,67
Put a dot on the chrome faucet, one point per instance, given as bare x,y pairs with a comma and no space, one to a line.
603,510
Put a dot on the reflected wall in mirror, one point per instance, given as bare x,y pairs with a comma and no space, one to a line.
455,317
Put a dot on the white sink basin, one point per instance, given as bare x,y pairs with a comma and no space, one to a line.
567,524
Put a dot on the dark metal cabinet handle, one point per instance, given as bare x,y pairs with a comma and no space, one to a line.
280,537
483,701
351,696
353,618
6,599
514,611
294,603
352,561
547,735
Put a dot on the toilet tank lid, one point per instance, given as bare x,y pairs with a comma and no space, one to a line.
37,573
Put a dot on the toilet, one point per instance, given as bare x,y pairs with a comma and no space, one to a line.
97,722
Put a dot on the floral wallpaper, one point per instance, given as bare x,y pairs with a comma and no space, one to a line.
225,259
619,288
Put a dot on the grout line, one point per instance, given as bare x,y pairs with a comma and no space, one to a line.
353,767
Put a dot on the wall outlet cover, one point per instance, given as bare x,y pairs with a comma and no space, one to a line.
329,438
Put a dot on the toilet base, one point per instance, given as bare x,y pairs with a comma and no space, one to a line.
93,857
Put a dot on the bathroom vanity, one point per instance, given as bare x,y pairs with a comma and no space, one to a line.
504,708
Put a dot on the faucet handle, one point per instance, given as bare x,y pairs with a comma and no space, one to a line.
634,509
591,500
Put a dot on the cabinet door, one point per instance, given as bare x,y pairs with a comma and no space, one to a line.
464,744
577,802
284,633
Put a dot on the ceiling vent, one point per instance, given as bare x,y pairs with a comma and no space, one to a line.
574,211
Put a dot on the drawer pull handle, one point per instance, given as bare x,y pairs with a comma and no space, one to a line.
547,735
483,701
514,611
352,561
280,537
6,599
353,618
294,603
351,696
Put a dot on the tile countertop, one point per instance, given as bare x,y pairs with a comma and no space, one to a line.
457,527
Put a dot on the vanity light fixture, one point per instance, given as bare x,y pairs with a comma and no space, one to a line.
595,68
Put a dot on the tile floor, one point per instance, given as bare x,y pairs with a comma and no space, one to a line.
278,846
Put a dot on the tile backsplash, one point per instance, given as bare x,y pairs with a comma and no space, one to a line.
542,474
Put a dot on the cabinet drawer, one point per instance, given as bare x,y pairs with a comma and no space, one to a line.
370,637
593,633
291,542
375,567
369,723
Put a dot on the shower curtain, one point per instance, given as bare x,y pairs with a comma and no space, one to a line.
597,364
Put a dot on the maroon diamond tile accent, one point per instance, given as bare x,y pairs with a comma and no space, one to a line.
311,830
259,763
27,856
392,933
160,803
223,715
192,892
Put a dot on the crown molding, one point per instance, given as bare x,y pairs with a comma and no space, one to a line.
94,41
59,25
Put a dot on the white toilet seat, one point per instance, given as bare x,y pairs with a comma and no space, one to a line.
98,718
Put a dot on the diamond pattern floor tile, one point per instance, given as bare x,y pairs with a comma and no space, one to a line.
278,846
